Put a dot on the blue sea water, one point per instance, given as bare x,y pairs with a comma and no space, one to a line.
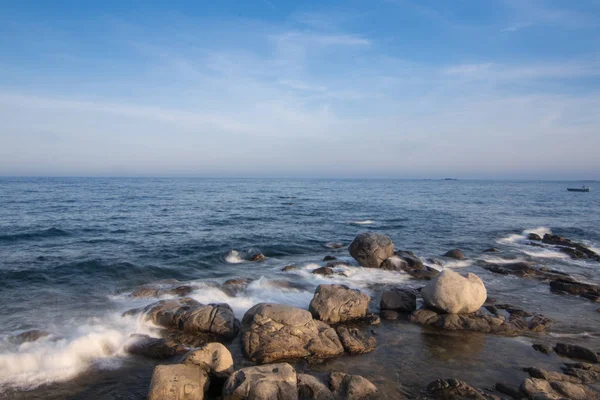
73,249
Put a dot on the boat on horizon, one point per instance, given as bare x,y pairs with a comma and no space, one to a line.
581,189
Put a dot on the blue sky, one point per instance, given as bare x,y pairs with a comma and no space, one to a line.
381,88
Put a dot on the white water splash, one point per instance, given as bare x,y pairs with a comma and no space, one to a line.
365,222
234,257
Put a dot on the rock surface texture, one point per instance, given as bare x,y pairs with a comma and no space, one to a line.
454,294
371,249
338,303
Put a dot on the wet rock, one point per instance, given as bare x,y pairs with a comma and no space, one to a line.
481,321
170,287
543,348
334,245
453,389
512,391
325,271
491,250
522,269
534,236
389,315
589,291
564,242
233,287
574,351
399,300
329,258
435,261
273,381
30,336
371,249
351,387
257,257
550,375
273,332
455,253
214,358
585,372
310,388
394,263
452,293
190,316
178,382
371,319
573,253
289,268
539,389
338,303
355,341
410,264
156,348
575,391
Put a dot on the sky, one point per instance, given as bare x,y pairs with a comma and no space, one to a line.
506,89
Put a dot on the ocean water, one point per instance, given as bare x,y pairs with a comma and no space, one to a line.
73,249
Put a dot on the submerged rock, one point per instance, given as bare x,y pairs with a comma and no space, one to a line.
578,250
491,250
156,348
587,290
455,253
338,303
257,257
273,381
325,271
575,351
32,335
178,382
399,300
452,293
329,258
235,286
289,268
371,249
214,358
355,341
351,387
273,332
543,348
453,389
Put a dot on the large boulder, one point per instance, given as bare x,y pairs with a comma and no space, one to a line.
273,381
455,253
338,303
452,293
273,332
399,300
178,382
189,316
311,388
371,249
351,387
214,358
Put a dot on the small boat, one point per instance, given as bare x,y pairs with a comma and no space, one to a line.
581,189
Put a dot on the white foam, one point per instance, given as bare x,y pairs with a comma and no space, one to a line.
516,238
458,264
234,257
498,260
546,253
540,231
365,222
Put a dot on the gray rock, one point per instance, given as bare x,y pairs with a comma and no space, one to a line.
453,389
338,303
400,300
310,388
534,236
30,336
355,341
351,387
455,253
395,263
389,315
325,271
214,358
371,249
178,382
289,268
273,332
156,348
264,382
574,351
329,258
452,293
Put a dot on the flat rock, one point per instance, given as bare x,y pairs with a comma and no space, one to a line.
589,291
178,382
351,387
370,249
453,389
575,351
273,381
452,293
338,303
273,332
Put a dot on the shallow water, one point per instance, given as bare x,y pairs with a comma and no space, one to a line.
72,250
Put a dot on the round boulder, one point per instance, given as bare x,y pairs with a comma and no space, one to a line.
455,253
452,293
370,249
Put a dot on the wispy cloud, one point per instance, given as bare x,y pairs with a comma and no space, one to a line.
542,13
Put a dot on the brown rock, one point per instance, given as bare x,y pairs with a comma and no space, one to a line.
178,382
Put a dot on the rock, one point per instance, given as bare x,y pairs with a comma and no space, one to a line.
389,315
579,250
584,372
512,391
481,321
371,319
273,332
589,291
273,381
156,348
575,391
257,257
539,389
534,236
310,388
171,287
521,269
351,387
355,341
338,303
491,250
394,263
190,316
30,336
371,249
453,389
333,264
543,348
334,245
233,287
329,258
178,382
455,294
325,271
550,375
574,351
400,300
289,268
455,253
214,358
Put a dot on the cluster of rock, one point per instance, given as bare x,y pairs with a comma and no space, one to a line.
573,249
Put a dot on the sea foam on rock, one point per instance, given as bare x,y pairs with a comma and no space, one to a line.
274,331
454,294
370,249
338,303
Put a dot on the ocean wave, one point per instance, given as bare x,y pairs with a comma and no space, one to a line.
233,257
521,237
546,253
458,264
46,233
363,222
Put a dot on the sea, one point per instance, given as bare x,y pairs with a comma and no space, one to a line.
72,250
